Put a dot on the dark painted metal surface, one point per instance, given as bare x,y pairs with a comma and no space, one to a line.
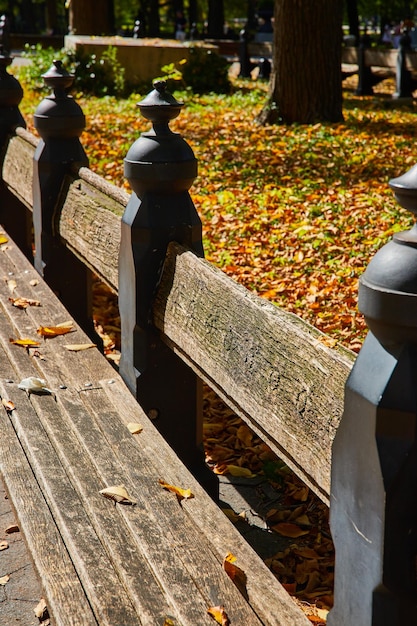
160,167
60,122
373,508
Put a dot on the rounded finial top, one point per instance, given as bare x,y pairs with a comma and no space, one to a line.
160,106
58,78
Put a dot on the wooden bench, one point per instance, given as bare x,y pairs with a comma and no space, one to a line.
374,66
106,563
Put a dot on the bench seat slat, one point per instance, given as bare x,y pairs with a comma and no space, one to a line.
85,432
66,597
270,601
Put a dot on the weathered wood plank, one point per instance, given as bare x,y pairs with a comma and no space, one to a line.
269,600
275,370
66,597
89,553
101,451
90,223
18,165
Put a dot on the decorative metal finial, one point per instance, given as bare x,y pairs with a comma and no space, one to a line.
160,107
58,79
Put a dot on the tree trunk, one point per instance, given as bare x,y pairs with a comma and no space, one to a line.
92,17
215,19
306,80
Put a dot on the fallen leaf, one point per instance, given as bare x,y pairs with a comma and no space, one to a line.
3,545
117,493
13,528
219,614
41,610
235,470
34,282
289,530
25,343
77,347
134,428
3,239
34,385
230,513
236,574
230,558
11,285
8,405
54,331
182,494
245,434
168,622
23,303
4,579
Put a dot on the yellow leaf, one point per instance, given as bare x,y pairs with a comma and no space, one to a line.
234,517
230,558
3,238
236,470
134,428
181,494
245,435
77,347
118,493
25,343
219,614
54,331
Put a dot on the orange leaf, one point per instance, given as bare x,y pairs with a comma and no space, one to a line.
8,405
235,573
290,587
289,530
25,343
219,614
23,303
54,331
181,494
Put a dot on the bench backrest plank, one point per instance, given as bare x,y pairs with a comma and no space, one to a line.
18,165
274,369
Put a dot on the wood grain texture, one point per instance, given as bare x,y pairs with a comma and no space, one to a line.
67,600
271,367
89,225
166,561
270,601
18,166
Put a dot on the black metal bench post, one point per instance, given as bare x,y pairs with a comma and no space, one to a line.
366,78
60,122
160,167
373,506
405,83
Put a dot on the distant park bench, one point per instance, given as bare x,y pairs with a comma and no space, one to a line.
374,65
183,321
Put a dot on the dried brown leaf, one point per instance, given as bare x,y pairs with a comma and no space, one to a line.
117,493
